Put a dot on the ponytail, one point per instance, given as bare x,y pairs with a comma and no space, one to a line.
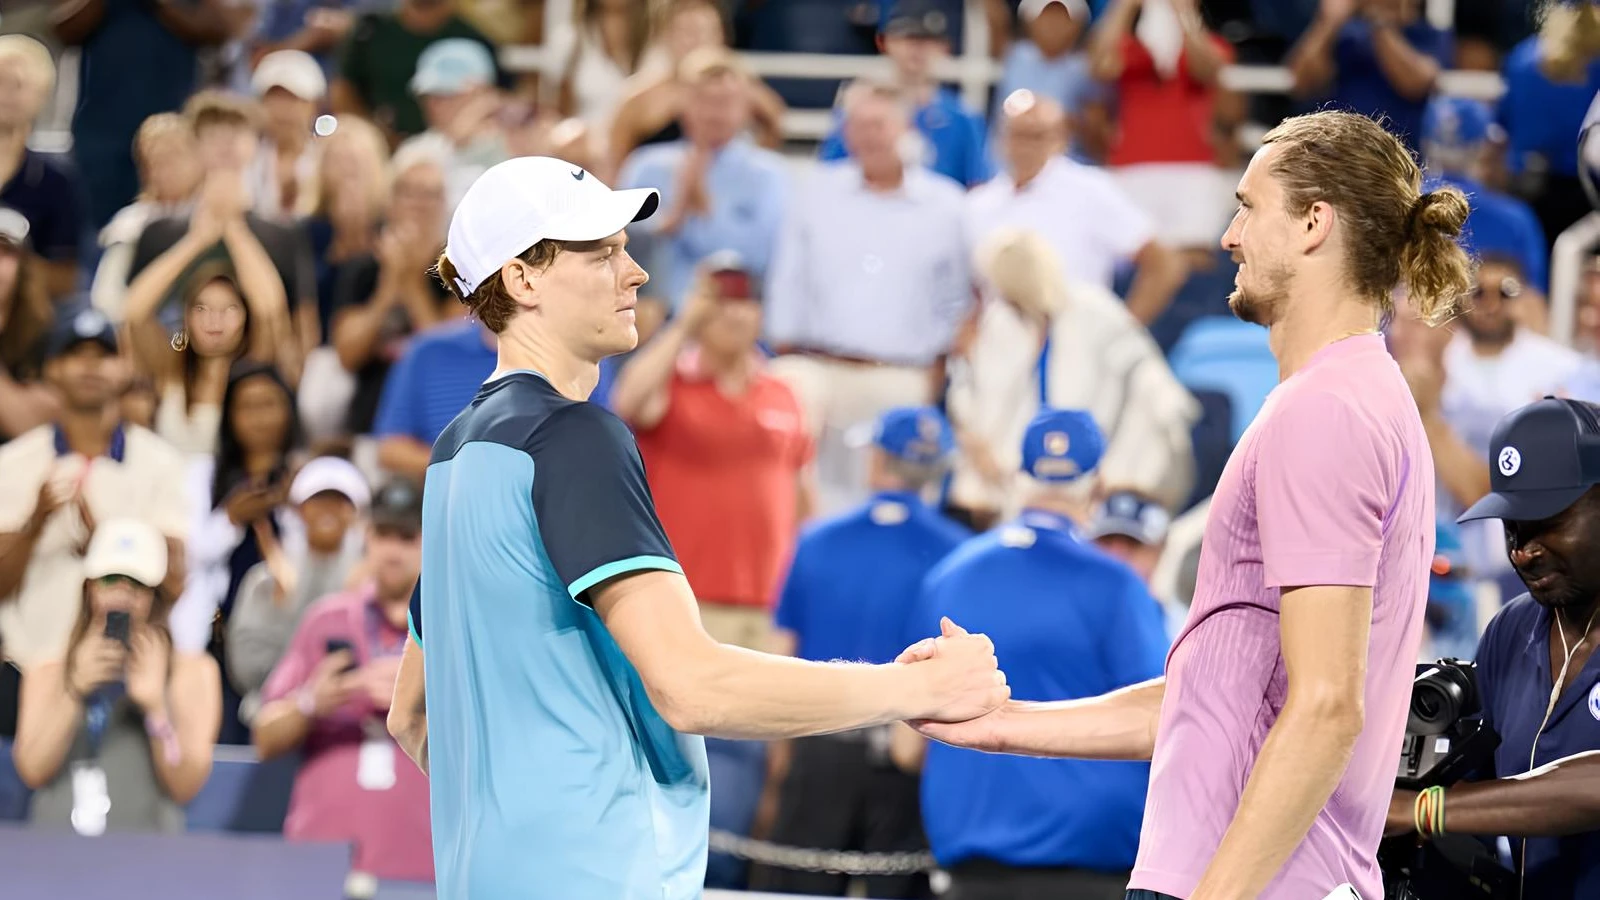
1436,271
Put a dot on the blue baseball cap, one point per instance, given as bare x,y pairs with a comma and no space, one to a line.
1061,445
915,18
451,66
916,434
82,326
1543,457
1131,515
1456,122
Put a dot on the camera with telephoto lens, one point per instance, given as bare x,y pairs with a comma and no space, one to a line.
1446,740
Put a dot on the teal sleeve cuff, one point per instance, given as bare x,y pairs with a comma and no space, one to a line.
621,567
412,628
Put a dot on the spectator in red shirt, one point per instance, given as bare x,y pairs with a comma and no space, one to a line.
329,696
1165,65
727,449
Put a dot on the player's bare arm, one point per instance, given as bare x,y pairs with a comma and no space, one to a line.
1120,725
1324,632
408,713
703,687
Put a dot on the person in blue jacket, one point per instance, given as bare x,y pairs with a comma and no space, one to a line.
915,35
1068,621
850,587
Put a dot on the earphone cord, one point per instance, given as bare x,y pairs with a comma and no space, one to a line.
1550,708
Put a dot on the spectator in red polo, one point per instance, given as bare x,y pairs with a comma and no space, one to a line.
1165,66
329,696
727,449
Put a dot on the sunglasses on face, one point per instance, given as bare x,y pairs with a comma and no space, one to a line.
1509,288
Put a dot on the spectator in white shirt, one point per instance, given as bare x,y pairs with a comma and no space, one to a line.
291,86
1492,367
868,284
455,84
1088,220
1047,341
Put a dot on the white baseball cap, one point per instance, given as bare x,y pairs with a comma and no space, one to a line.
127,547
330,473
1031,9
523,201
296,71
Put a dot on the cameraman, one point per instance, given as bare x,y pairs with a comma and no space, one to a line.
1537,670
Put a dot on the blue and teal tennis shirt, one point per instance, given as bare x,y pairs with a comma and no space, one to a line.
552,775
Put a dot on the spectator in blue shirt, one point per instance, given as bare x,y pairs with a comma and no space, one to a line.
854,580
1455,137
1067,621
1046,60
719,190
1551,78
1374,57
1538,671
915,35
428,386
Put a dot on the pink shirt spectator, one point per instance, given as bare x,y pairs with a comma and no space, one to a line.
388,826
1331,485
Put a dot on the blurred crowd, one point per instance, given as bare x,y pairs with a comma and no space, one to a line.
224,355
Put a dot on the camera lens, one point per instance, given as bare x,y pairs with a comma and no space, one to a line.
1440,696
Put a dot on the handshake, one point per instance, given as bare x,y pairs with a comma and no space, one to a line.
954,678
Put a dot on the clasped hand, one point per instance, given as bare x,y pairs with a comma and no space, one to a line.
961,679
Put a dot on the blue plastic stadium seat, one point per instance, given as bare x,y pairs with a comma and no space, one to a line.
1229,357
244,795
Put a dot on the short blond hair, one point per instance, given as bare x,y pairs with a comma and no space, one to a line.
1025,270
706,63
38,67
372,145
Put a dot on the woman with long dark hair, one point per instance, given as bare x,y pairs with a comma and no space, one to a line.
118,732
242,485
231,309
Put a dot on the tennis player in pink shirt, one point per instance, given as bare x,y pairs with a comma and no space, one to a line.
1275,734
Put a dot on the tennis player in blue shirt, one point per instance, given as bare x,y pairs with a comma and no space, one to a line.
566,670
1070,622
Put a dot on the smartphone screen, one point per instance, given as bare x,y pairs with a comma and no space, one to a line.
733,284
117,626
334,645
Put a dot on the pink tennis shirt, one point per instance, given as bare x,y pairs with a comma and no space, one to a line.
1331,485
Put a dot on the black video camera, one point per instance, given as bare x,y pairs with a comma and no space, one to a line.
1446,740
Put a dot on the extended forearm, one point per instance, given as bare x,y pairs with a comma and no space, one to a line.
1552,801
155,281
743,695
279,727
1161,272
643,380
181,768
1461,470
259,282
1304,757
1120,725
1410,73
1311,62
16,549
45,736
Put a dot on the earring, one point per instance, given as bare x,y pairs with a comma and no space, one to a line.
180,341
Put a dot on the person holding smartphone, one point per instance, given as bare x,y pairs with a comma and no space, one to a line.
118,732
328,697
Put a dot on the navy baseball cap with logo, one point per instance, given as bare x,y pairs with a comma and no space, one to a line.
1131,515
1543,457
80,327
916,434
915,18
1061,445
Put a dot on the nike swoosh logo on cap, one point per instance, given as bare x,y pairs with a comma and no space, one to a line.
577,174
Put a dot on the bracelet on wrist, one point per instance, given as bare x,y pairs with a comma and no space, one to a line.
160,729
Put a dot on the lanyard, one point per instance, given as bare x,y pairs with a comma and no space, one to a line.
97,711
1044,371
374,633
